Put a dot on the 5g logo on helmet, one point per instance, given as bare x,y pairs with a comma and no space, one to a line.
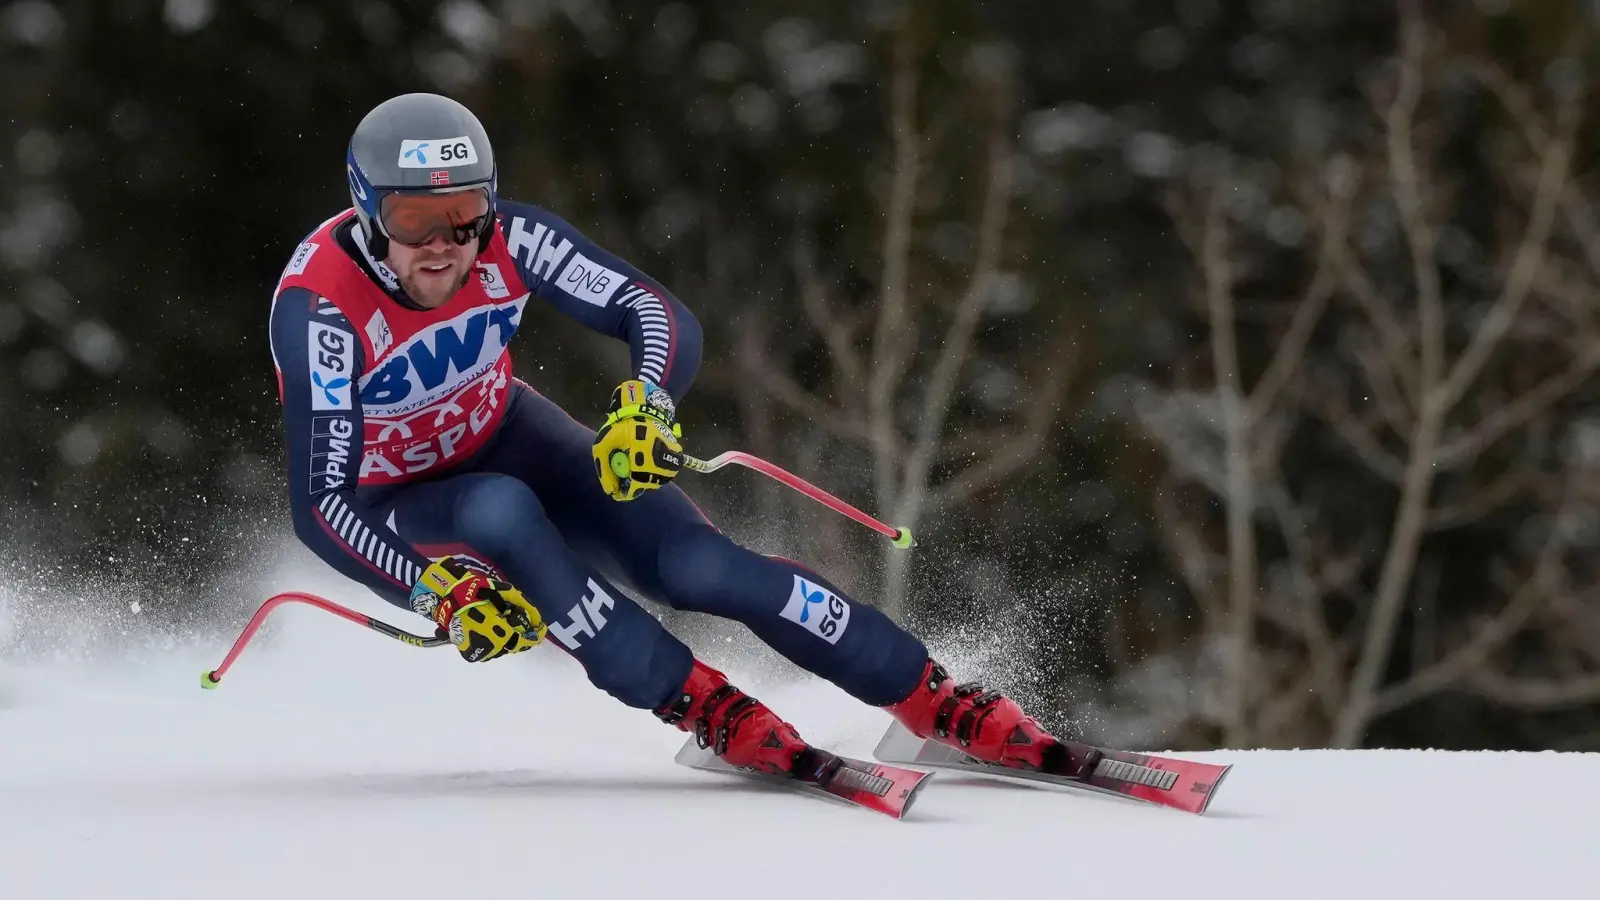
437,153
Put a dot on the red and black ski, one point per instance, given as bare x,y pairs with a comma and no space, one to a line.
881,788
1175,783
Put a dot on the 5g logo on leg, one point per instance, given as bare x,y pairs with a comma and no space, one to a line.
817,610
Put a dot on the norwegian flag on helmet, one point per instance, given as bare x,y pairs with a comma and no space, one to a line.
440,177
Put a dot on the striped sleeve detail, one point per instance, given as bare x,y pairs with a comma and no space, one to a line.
365,542
655,327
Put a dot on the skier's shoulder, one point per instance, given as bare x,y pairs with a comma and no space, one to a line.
330,266
320,242
522,215
526,227
315,300
553,257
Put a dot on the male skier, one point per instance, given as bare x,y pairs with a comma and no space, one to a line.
419,467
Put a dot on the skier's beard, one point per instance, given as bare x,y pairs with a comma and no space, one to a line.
429,292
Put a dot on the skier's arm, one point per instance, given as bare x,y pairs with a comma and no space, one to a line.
606,293
319,359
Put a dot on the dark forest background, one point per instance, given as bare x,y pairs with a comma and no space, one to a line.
1233,361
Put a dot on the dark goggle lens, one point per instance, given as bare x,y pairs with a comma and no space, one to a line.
458,216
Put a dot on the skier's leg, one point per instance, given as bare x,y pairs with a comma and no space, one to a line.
662,545
854,646
794,610
500,522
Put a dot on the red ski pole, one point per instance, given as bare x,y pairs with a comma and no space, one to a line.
899,536
212,677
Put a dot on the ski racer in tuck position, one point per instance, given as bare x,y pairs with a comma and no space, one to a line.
421,468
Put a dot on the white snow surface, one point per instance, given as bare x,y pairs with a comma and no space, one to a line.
334,763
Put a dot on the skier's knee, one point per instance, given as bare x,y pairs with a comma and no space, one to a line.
497,516
696,563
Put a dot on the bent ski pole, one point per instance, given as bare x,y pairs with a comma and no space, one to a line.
212,677
900,536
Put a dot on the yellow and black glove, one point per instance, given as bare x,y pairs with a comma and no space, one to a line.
486,618
638,448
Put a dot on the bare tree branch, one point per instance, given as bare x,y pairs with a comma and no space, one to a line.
756,415
1576,621
940,387
1578,212
1489,638
1270,438
891,351
1519,412
1379,376
1574,300
1580,216
1537,694
1188,549
1411,517
1525,264
1239,504
1409,182
1315,581
1417,384
1358,435
1020,448
1516,102
755,365
1399,369
1287,358
1424,615
974,441
835,331
1482,501
1287,706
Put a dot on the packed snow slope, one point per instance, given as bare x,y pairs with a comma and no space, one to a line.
333,763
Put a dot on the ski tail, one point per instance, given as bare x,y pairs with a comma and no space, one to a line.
1178,783
1164,781
882,788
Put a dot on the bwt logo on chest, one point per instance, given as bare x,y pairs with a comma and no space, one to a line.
441,359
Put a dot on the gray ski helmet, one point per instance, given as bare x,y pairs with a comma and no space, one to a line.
417,143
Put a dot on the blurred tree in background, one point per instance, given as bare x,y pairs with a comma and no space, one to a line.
1233,361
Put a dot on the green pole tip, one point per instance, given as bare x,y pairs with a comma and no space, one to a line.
209,680
903,540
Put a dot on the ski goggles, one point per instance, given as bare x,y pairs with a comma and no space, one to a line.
461,216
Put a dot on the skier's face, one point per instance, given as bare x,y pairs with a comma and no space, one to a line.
433,272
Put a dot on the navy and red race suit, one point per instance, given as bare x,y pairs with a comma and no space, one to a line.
409,439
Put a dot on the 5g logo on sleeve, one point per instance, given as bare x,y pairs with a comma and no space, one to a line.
332,356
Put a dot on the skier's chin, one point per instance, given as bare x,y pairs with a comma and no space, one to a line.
434,290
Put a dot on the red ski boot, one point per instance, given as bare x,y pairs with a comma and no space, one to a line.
737,727
983,724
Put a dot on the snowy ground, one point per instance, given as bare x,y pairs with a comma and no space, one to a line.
332,763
